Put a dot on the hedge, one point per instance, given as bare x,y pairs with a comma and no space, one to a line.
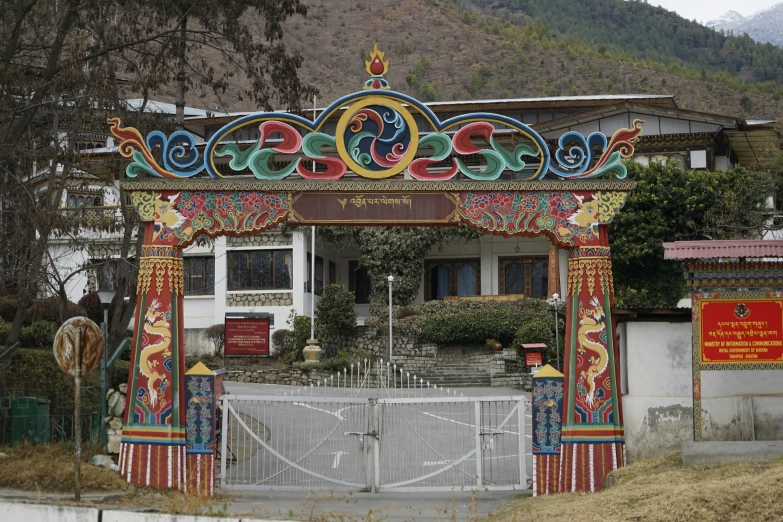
35,372
467,322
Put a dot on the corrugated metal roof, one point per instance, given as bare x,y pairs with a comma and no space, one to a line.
722,249
594,97
760,122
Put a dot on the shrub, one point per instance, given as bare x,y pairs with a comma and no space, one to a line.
5,329
8,305
49,309
473,322
299,338
407,311
93,307
282,340
537,330
336,316
217,334
40,334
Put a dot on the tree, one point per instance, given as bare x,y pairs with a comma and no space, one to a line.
670,204
66,65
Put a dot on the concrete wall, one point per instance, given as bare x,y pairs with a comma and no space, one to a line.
656,382
18,512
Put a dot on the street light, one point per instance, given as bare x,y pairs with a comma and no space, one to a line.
391,280
106,295
556,302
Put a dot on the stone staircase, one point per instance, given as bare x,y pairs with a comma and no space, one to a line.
457,375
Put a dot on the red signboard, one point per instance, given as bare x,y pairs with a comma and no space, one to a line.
247,336
533,359
745,331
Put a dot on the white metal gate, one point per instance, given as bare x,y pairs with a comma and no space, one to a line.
389,444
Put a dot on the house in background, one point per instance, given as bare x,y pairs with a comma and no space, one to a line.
270,272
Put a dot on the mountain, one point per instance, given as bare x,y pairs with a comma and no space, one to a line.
765,26
483,49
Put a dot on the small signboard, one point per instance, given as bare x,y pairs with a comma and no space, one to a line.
533,359
741,331
247,335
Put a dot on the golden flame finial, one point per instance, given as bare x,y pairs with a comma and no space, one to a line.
377,68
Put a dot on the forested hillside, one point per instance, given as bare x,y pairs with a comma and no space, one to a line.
645,31
452,50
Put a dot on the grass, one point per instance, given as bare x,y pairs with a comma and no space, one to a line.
661,488
49,468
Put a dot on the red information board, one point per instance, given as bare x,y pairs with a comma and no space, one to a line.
247,336
745,331
533,359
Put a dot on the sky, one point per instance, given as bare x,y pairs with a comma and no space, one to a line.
705,10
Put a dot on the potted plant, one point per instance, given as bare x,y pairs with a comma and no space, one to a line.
494,344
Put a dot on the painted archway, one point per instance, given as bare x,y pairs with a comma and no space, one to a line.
376,139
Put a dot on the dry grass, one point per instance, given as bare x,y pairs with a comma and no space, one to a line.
662,489
49,468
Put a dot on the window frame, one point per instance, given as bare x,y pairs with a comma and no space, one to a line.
353,268
453,265
249,260
527,262
187,276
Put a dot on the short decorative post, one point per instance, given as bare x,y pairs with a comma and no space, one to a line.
152,452
547,399
200,414
593,436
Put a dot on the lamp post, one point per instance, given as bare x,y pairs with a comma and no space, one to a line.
391,280
556,302
106,295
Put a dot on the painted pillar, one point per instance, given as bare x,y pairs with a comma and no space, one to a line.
547,400
152,452
593,437
200,430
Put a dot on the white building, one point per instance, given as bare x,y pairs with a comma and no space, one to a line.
269,272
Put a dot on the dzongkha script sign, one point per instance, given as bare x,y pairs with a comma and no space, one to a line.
741,331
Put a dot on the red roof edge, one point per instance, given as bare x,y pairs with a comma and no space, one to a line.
722,248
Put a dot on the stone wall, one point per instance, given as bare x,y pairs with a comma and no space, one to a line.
116,400
274,237
259,299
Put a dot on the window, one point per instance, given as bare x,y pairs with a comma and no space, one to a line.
319,274
524,276
446,277
85,198
359,282
199,275
332,273
259,270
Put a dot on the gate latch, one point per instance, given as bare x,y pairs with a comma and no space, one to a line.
361,436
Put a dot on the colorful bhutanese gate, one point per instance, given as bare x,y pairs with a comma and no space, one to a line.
376,139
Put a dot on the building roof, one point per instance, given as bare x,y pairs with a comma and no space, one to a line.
722,249
489,105
160,107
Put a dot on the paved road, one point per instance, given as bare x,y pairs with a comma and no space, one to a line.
422,444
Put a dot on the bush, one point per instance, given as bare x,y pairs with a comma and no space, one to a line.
217,334
537,330
5,329
8,305
283,341
48,309
299,338
336,317
40,334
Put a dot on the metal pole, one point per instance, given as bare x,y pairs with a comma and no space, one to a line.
312,261
557,337
312,284
104,374
391,280
77,414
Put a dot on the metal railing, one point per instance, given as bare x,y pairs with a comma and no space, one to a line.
49,416
373,379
